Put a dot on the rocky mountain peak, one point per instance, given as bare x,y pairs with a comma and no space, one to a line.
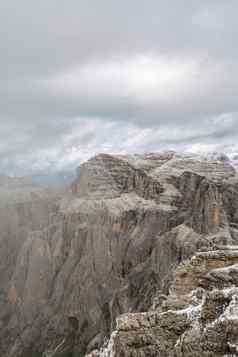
146,240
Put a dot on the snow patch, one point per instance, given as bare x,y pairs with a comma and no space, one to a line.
108,350
191,312
231,311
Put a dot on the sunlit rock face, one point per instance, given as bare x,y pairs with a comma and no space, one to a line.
112,246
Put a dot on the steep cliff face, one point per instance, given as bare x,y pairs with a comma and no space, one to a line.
110,247
24,207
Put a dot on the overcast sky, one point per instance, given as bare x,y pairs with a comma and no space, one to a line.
80,77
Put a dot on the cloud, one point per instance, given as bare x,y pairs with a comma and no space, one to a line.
83,77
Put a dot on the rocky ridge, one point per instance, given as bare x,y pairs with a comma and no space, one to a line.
199,317
122,242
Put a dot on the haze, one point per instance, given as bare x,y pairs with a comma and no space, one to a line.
83,77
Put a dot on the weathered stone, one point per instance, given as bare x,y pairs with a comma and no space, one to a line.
121,242
206,326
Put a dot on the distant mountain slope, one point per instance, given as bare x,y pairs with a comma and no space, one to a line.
60,179
24,207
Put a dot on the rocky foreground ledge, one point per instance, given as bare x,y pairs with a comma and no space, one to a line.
199,317
149,241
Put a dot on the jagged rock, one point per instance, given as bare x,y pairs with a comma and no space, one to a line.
112,246
205,326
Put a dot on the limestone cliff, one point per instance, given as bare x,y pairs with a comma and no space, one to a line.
116,244
199,317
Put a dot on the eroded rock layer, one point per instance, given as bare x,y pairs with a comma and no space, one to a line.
199,317
121,242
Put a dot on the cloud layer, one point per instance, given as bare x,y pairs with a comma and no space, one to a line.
80,77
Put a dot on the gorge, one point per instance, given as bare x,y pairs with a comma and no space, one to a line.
138,258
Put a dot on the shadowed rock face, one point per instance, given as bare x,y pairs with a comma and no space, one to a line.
24,207
112,246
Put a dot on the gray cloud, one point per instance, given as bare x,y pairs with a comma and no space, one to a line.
82,77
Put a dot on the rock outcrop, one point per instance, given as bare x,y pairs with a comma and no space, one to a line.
199,317
121,242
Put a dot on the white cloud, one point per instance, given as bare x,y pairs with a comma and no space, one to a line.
143,78
82,77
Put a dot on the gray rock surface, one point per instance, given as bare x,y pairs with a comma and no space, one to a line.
199,317
112,246
24,207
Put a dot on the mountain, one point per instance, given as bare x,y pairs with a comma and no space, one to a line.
142,248
24,207
57,179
